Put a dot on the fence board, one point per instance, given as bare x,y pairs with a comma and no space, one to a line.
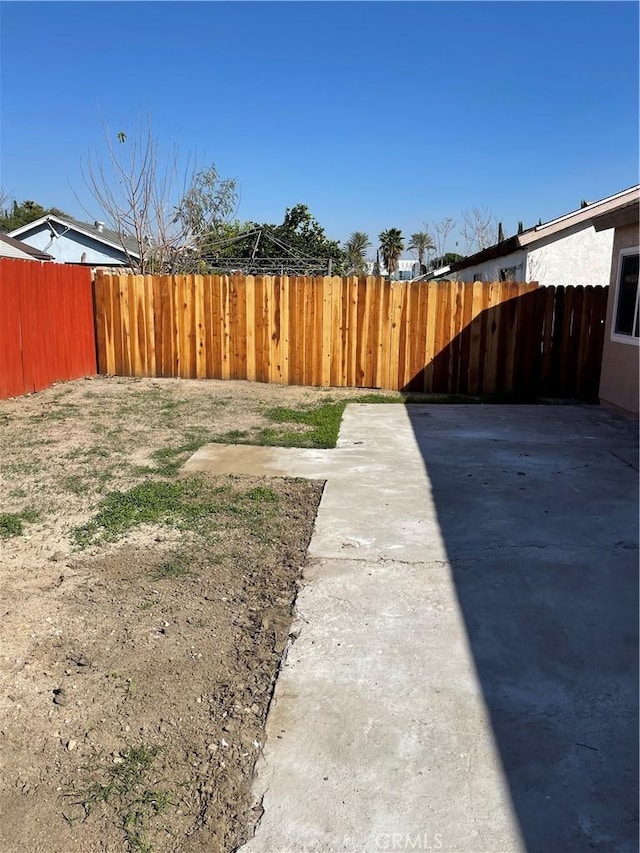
589,377
455,326
296,330
316,369
12,381
395,314
327,317
385,335
160,296
584,336
464,335
47,329
547,338
364,332
564,378
371,320
441,352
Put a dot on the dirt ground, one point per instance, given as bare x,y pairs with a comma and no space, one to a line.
144,615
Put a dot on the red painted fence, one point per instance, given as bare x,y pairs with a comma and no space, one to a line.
46,325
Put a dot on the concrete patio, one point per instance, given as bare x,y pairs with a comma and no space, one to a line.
465,675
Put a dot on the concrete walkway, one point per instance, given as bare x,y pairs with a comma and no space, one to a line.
464,677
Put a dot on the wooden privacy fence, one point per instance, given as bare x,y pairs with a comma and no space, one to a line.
426,336
46,325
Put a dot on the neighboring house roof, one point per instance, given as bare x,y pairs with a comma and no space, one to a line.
11,248
97,231
603,208
626,214
434,274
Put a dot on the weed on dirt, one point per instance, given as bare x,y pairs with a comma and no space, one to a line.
12,523
175,565
126,788
168,460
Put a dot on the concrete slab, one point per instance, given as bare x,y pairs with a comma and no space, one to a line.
465,676
367,741
239,459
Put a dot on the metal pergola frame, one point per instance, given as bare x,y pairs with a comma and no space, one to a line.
289,263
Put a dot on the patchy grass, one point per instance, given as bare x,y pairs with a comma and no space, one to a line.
188,505
75,484
20,468
234,436
176,566
261,494
12,523
89,455
58,411
126,788
169,459
378,398
18,493
317,426
149,502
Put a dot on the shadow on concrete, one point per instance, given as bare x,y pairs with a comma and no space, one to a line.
538,507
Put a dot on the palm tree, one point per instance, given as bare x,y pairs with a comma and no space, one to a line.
355,248
421,242
391,247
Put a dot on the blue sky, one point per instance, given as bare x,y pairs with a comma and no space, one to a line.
376,115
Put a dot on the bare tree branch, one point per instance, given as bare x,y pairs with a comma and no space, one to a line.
5,198
161,211
441,231
478,229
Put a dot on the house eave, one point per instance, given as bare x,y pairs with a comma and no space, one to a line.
72,226
586,214
627,215
505,247
605,210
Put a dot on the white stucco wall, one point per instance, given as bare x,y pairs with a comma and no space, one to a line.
490,270
69,248
580,255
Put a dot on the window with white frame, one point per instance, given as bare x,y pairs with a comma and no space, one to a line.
626,322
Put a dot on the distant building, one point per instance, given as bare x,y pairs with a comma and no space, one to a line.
408,269
69,241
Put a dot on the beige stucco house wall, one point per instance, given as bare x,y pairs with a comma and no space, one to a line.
569,250
620,376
